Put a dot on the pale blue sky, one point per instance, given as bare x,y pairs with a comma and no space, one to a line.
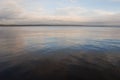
110,5
64,11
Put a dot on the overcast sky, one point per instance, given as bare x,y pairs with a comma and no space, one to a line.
60,12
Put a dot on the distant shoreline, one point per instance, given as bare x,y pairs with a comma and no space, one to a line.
62,25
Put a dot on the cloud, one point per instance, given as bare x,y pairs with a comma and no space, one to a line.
12,12
71,11
80,11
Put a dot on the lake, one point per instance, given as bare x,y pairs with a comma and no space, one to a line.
59,53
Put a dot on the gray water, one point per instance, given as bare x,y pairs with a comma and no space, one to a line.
59,53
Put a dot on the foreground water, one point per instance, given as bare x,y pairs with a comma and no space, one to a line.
59,53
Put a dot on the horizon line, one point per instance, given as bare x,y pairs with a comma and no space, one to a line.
58,25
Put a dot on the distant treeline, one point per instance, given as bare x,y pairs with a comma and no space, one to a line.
62,25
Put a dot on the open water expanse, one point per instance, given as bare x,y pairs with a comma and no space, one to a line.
59,53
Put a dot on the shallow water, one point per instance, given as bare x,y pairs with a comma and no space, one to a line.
59,53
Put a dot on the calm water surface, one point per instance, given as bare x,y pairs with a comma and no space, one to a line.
59,53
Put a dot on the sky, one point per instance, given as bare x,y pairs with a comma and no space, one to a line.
103,12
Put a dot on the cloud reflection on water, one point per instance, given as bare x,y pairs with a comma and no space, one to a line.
34,53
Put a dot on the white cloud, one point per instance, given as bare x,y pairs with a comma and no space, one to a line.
11,12
71,11
80,11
